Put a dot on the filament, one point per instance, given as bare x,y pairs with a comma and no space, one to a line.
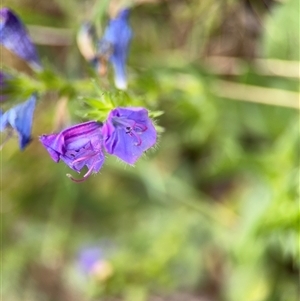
85,177
133,133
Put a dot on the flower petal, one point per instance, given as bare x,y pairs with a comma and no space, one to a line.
128,133
15,38
49,141
77,146
20,119
118,34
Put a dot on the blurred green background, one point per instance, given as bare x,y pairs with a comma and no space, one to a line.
213,212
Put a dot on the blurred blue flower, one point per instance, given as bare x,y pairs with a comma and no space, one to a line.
88,257
128,132
91,262
14,37
77,146
114,47
19,118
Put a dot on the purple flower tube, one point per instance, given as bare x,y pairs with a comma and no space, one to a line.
78,146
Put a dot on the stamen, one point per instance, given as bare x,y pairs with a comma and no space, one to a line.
75,180
131,127
142,127
133,133
83,158
85,177
89,172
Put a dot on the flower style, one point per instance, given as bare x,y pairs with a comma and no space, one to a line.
128,132
14,37
114,47
77,146
20,118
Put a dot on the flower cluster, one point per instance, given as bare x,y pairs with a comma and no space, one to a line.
127,134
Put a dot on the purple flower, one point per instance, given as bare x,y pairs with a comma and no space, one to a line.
114,47
91,262
128,132
88,257
19,118
77,146
14,37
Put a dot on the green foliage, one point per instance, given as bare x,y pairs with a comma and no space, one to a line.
283,42
213,210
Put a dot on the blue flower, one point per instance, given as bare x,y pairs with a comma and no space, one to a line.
88,258
19,118
14,37
128,133
114,47
92,262
77,146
